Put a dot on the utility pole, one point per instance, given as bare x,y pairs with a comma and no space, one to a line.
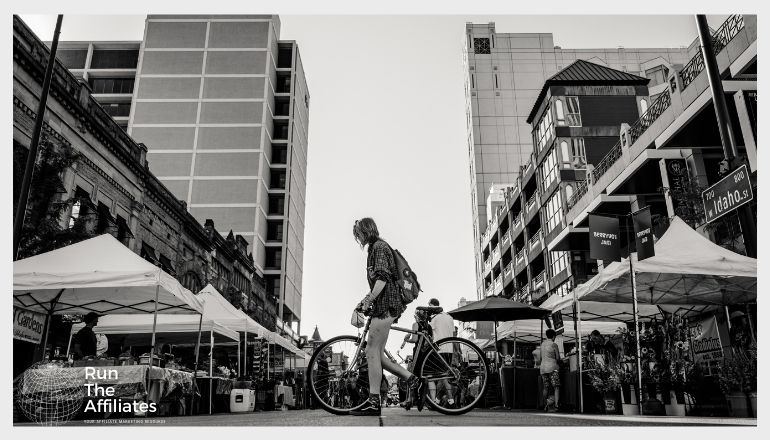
21,207
745,214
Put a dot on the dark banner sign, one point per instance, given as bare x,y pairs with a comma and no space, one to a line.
604,237
558,322
645,247
678,180
727,194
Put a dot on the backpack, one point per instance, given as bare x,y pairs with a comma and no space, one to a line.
406,279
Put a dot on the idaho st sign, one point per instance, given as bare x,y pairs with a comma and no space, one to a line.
727,194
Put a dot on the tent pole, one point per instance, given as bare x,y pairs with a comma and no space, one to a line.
636,332
211,367
239,357
69,345
513,400
48,317
245,349
578,334
152,346
195,372
751,325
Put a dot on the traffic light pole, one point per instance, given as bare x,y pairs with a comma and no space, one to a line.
745,214
26,182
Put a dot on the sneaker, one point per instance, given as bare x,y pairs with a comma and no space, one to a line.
421,394
371,408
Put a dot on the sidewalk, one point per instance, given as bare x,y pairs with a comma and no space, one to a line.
662,420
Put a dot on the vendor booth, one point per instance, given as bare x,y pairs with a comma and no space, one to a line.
665,301
97,275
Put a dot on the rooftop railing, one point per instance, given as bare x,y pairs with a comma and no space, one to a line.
609,160
719,40
657,108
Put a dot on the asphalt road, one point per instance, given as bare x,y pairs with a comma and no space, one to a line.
400,417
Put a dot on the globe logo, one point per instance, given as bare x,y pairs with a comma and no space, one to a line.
49,394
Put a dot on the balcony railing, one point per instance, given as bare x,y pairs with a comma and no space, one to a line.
520,255
496,254
517,220
719,40
507,238
535,238
508,270
498,283
651,115
531,201
539,280
727,32
692,69
487,264
612,156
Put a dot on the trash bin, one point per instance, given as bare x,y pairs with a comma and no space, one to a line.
242,397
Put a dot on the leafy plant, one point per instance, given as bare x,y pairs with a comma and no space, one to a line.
605,376
739,373
42,230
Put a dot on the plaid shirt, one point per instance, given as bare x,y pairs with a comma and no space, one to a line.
381,266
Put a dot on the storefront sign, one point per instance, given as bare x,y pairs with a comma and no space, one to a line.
28,326
706,345
645,247
727,194
604,237
558,322
678,181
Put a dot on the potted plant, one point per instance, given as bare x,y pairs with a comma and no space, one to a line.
605,378
738,382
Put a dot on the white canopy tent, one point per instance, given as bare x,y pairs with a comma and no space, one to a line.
528,330
97,275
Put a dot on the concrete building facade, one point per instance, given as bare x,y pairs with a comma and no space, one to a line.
504,74
222,105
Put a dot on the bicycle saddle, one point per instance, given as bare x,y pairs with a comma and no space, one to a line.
430,309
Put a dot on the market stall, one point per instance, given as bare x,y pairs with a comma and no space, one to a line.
689,276
177,330
79,279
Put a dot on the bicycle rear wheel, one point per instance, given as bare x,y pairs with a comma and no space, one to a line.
457,376
336,386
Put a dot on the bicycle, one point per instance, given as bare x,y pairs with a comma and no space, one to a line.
338,377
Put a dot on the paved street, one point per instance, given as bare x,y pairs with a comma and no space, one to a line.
400,417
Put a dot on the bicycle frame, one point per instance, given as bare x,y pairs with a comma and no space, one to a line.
422,338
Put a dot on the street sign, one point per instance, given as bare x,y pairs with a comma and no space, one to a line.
645,247
604,237
727,194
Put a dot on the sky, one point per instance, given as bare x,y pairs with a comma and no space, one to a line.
387,138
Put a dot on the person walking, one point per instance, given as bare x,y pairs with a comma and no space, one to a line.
442,326
384,305
549,368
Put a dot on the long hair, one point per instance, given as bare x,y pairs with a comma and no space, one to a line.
365,231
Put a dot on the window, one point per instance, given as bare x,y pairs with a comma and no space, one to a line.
473,81
573,112
80,208
117,109
148,253
111,85
496,84
273,257
559,262
166,265
578,153
278,154
548,170
283,80
559,112
275,204
563,289
105,223
643,106
544,130
124,232
280,130
72,58
481,46
284,57
114,59
553,212
274,230
277,179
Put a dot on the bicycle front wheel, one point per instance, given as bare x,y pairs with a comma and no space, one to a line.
337,378
457,376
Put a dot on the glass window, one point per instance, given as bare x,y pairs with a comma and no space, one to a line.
553,212
643,105
559,262
114,58
559,112
544,130
573,112
112,85
563,289
72,58
578,153
548,170
568,191
565,156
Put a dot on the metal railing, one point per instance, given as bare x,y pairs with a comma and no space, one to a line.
507,238
508,270
496,253
532,200
609,159
498,283
517,220
535,238
520,255
487,264
692,69
719,39
727,32
539,279
581,188
651,115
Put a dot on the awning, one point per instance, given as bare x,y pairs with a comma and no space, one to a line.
168,326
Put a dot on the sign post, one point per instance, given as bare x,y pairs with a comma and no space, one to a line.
733,191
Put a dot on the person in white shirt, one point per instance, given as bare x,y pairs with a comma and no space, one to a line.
443,326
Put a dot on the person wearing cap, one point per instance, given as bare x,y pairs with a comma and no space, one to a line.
84,342
443,326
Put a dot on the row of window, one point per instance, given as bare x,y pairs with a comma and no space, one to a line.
544,131
84,214
111,85
100,58
553,212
